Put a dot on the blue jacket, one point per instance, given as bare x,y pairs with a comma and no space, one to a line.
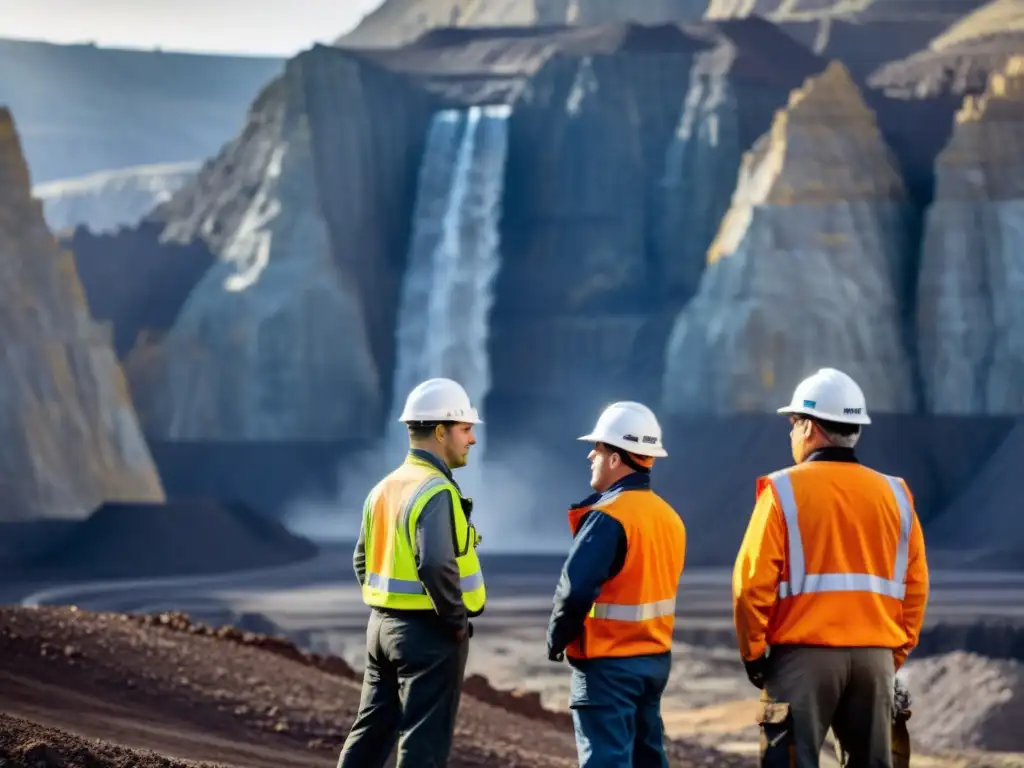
597,554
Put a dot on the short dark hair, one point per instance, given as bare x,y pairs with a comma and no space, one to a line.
421,430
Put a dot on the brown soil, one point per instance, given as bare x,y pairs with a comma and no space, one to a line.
104,690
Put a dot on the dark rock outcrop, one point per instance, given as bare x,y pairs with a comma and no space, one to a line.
971,289
134,281
807,269
71,438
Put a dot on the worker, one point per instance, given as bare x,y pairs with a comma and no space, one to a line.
829,586
614,607
416,562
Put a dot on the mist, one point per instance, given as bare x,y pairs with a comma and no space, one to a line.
520,499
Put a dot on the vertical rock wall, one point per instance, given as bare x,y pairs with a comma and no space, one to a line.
971,287
807,267
71,438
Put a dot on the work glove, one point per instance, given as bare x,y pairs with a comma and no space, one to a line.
556,656
756,670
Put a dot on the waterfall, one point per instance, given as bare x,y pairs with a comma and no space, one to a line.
444,309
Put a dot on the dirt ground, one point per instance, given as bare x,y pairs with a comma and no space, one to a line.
103,690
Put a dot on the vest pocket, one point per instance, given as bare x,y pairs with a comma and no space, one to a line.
777,749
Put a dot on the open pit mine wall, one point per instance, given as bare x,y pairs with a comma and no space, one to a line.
625,170
619,167
70,434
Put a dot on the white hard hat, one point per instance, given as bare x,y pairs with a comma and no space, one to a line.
831,395
439,400
630,426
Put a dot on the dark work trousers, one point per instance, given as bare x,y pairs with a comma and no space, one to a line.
411,689
849,689
616,711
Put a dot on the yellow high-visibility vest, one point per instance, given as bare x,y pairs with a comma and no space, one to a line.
389,534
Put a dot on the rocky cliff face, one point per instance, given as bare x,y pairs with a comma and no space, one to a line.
971,290
70,433
808,267
284,338
135,282
615,137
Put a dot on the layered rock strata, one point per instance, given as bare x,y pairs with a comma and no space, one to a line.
306,210
620,165
615,132
807,269
71,438
971,287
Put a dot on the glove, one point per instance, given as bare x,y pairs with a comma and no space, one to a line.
756,671
556,656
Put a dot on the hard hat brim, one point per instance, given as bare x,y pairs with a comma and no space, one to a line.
794,409
640,450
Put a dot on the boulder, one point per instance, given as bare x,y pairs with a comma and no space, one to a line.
808,268
71,437
971,287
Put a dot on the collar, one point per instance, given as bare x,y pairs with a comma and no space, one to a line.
833,453
435,461
634,481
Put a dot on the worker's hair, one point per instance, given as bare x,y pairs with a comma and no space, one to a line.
421,430
840,435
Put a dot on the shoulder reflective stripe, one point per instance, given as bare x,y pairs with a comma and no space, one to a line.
784,491
801,582
427,485
394,586
472,581
642,612
899,572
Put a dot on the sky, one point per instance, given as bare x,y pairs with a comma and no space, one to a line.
279,27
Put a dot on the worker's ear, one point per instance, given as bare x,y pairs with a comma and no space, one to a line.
439,432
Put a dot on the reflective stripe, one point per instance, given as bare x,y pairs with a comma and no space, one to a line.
410,587
472,581
428,485
394,586
802,583
642,612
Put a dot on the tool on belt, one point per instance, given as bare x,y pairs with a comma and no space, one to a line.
778,748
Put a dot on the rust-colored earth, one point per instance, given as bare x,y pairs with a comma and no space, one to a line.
97,690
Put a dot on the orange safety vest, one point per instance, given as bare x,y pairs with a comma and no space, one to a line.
635,611
848,532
